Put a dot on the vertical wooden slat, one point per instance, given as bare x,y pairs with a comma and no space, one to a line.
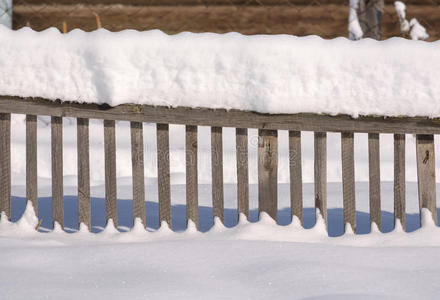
192,209
374,175
110,171
5,164
137,169
426,174
348,180
399,179
163,169
82,131
31,161
321,173
57,170
268,172
296,193
241,139
217,172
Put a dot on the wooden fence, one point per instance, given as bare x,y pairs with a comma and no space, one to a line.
267,124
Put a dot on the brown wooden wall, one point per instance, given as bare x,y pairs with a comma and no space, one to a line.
327,19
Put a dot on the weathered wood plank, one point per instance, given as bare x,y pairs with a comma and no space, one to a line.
192,206
217,172
374,176
111,208
5,164
296,193
426,174
348,180
241,140
399,179
137,169
57,171
163,169
31,161
321,173
82,132
222,117
268,172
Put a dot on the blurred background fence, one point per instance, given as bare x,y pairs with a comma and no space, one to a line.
327,19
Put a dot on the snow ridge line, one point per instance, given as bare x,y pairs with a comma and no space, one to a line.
266,229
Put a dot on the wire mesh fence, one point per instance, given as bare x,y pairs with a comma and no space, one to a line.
328,19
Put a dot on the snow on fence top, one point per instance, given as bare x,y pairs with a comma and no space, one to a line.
270,74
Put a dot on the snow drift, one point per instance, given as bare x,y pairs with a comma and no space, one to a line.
271,74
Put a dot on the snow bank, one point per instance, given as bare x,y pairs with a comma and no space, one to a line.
265,229
272,74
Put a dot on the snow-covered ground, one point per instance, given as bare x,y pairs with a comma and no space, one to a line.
214,268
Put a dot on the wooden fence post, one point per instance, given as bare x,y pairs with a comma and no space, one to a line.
5,164
268,172
57,170
399,179
137,169
163,172
348,179
217,172
296,193
192,202
241,146
321,173
374,179
370,18
83,172
31,161
111,200
426,174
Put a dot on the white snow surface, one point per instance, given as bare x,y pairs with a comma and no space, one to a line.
354,28
400,8
418,31
270,74
251,261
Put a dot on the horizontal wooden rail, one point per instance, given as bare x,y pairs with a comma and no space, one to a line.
268,140
221,117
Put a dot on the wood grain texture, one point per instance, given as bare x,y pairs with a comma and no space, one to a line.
399,179
348,180
426,174
111,207
137,169
217,172
241,142
31,161
295,167
5,164
163,169
321,173
192,204
82,131
222,117
374,176
370,18
268,172
57,170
